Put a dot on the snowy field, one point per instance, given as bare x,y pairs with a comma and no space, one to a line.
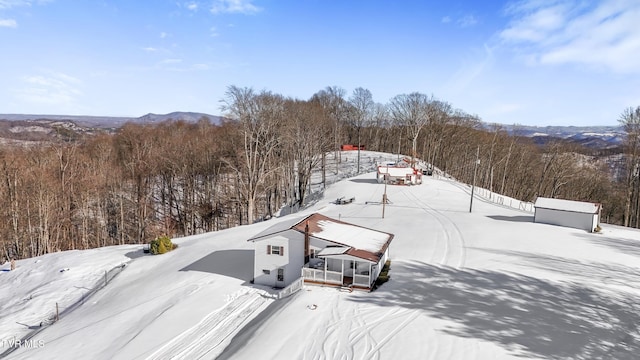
490,284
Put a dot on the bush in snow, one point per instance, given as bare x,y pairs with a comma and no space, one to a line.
384,274
161,245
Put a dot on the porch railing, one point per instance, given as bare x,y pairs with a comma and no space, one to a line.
362,280
292,288
332,277
312,274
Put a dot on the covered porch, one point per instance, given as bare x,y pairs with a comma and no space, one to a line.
333,267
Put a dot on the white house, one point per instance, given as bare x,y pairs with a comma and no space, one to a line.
569,213
397,175
322,250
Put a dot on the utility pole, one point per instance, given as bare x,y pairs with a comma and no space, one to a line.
384,196
475,171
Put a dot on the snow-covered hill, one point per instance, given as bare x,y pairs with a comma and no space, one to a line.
113,121
487,284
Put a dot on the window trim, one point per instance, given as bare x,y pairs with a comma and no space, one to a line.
276,250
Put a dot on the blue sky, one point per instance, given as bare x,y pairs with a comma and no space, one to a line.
531,62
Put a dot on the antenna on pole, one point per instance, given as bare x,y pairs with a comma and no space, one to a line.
475,170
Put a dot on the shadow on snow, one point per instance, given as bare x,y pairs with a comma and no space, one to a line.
233,263
525,315
365,181
627,246
522,218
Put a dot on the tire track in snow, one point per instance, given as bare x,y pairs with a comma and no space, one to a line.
217,328
389,336
441,243
150,318
347,335
454,241
369,340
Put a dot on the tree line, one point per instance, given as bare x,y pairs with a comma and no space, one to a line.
177,178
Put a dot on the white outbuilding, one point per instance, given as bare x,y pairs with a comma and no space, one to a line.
399,175
569,213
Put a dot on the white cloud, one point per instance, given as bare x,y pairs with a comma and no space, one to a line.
53,88
8,23
171,61
464,21
201,67
193,6
234,6
163,35
467,21
150,49
603,35
8,4
213,32
461,81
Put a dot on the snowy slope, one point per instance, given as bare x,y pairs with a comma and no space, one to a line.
483,285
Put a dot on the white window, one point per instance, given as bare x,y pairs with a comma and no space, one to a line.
275,250
280,274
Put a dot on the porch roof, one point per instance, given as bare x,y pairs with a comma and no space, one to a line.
333,250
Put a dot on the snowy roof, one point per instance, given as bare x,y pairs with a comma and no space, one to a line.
363,242
333,250
276,228
567,205
353,236
359,241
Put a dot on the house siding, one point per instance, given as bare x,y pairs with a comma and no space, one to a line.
351,244
571,219
292,260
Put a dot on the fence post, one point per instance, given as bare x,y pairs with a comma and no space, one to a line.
57,312
105,278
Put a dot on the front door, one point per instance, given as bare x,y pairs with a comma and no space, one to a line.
280,278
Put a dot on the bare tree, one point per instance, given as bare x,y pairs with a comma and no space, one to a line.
630,120
307,135
413,112
361,112
259,116
332,100
379,132
136,155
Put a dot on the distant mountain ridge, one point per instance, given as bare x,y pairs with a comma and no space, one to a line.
595,137
114,121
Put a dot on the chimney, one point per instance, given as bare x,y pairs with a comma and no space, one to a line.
306,242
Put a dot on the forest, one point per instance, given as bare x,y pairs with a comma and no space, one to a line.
177,178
